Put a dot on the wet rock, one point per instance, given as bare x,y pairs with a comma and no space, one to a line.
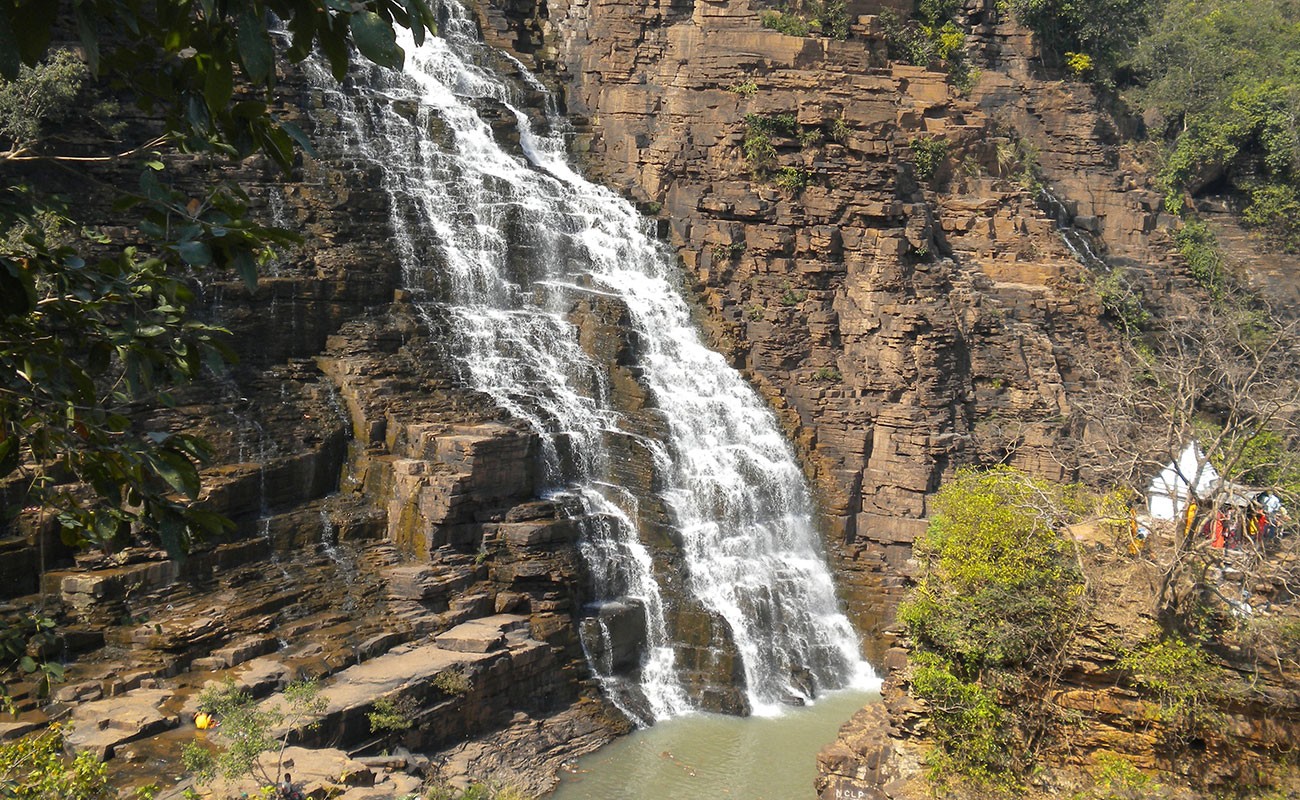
101,726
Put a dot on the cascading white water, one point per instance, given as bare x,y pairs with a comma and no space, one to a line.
504,244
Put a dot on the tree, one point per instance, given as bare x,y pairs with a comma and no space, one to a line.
92,327
34,768
1223,84
1103,30
250,730
998,597
1223,374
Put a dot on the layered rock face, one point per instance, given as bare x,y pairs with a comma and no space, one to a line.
1093,709
903,320
389,539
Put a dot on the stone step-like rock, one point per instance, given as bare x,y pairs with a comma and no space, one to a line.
481,635
101,726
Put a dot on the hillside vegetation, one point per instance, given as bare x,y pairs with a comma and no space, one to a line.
1216,82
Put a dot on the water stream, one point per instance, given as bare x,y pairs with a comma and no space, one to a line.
715,756
500,242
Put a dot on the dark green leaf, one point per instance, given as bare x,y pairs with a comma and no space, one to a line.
218,83
89,35
17,289
303,28
376,40
27,664
422,19
8,455
178,471
335,46
32,24
196,254
9,60
254,47
246,267
300,137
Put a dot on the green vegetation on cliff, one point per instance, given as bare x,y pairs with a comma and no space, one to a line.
1217,81
1032,600
999,594
92,325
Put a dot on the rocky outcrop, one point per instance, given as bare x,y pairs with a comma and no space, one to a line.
1093,709
902,321
389,540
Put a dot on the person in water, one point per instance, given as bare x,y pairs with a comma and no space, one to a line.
204,721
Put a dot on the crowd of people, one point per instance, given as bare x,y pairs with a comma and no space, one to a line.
1258,520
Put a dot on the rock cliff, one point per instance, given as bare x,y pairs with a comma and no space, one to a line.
389,539
904,319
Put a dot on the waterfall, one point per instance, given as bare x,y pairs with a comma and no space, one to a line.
503,242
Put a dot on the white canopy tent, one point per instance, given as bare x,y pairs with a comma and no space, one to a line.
1192,475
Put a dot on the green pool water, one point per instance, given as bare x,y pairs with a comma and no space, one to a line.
716,756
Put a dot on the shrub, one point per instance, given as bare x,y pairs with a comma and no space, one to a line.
1118,779
792,178
1078,64
1185,683
40,97
837,130
833,19
1275,208
729,251
791,297
815,17
828,374
785,22
970,728
452,681
999,587
927,154
388,715
1199,248
1122,303
248,728
744,88
757,145
33,768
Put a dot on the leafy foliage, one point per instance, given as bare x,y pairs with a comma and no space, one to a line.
969,726
928,152
930,36
389,715
1198,246
452,681
1122,303
92,326
998,596
249,730
808,18
34,768
39,98
1224,82
1118,779
23,638
999,587
476,791
1183,679
1100,30
791,178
